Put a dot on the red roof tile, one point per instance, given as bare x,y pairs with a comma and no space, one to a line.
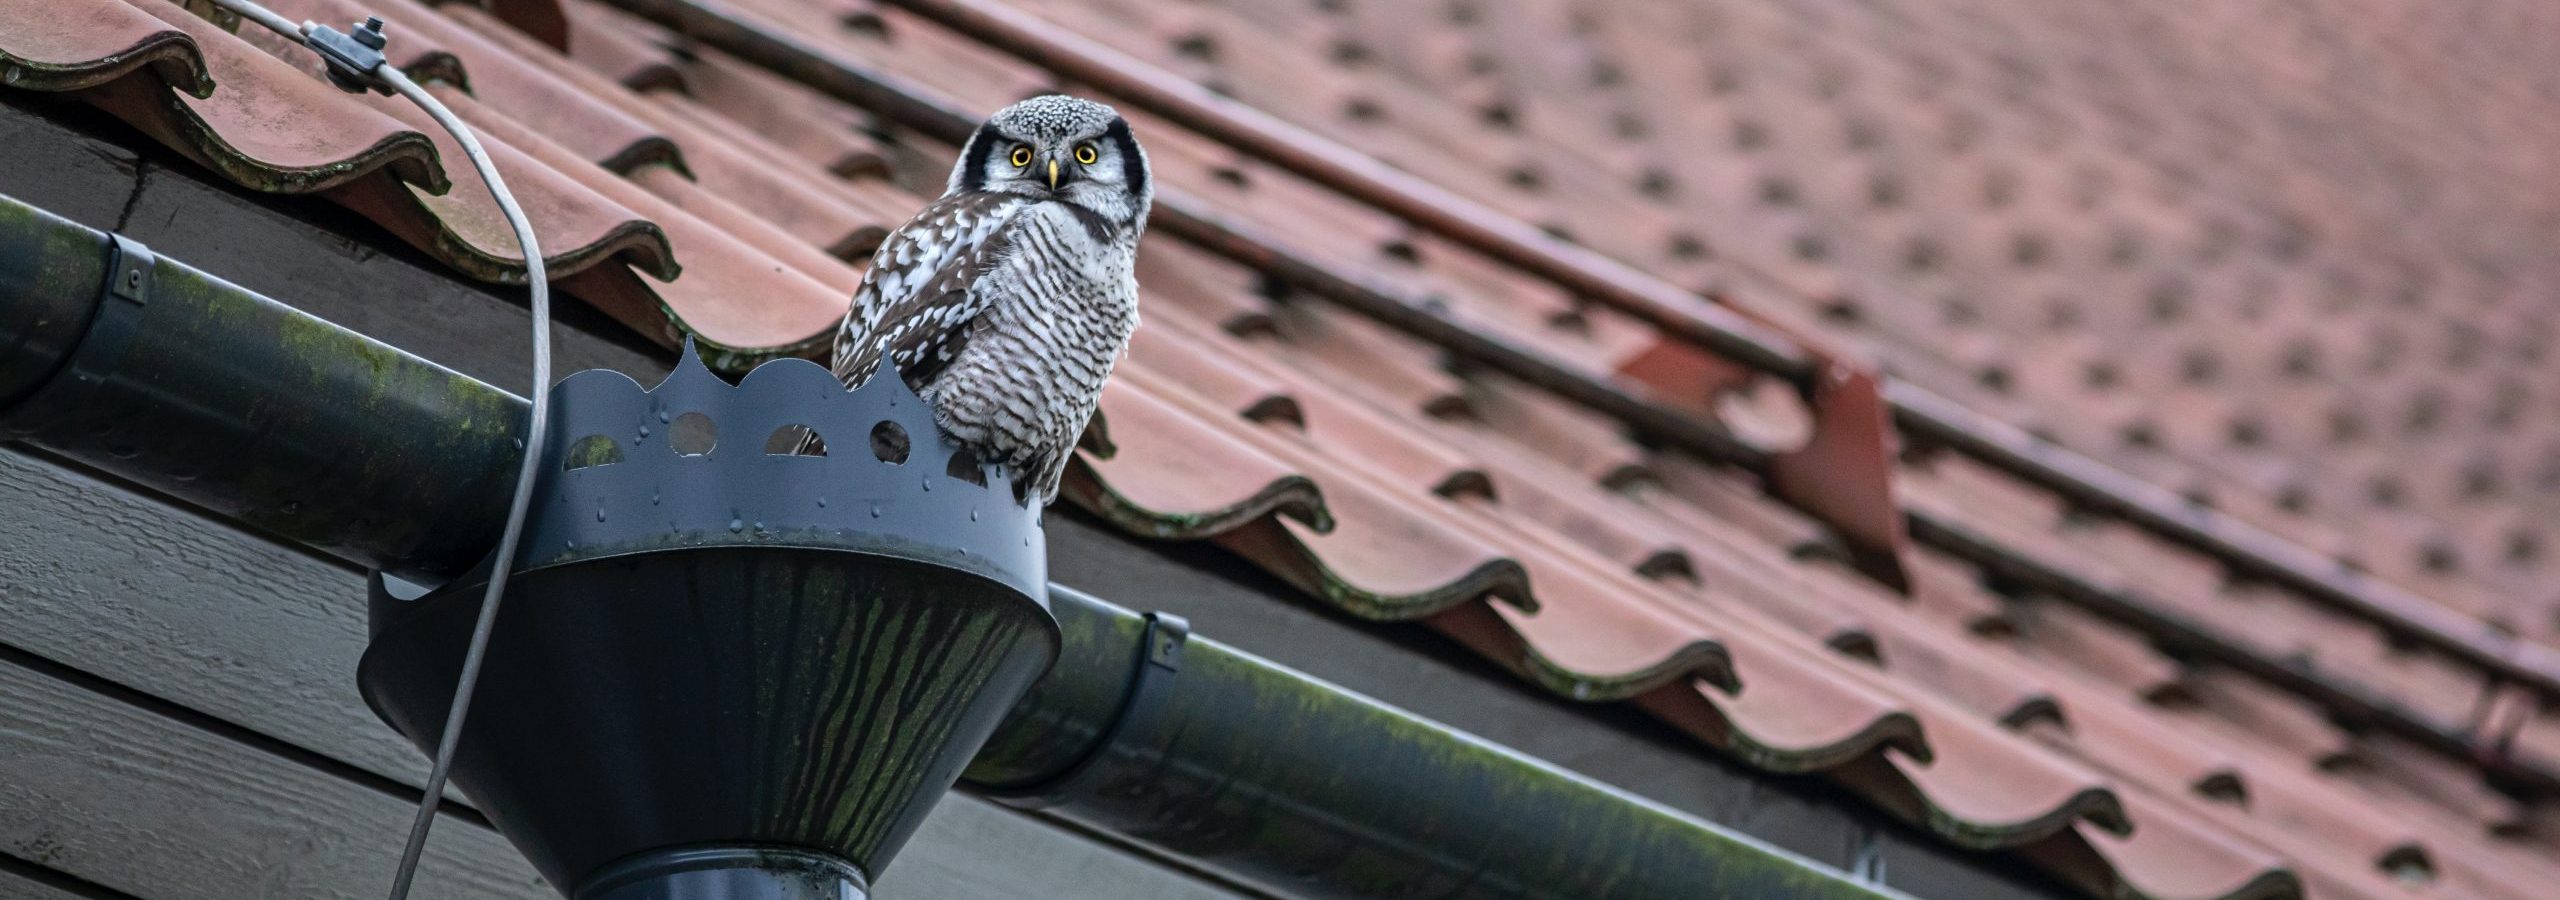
107,43
1907,187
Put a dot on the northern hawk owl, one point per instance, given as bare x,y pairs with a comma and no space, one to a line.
1005,302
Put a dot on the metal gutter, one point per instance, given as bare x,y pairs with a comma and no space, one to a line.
244,406
51,276
2248,550
1314,791
277,420
1922,414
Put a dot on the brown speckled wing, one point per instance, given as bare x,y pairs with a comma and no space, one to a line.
915,304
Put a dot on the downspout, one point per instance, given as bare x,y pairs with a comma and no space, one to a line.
277,420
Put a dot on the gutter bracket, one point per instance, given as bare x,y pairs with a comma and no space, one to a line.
1160,652
126,293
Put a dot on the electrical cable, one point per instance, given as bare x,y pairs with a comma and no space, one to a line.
517,508
389,78
263,16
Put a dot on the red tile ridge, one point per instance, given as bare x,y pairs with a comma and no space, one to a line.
498,77
1200,481
46,51
238,129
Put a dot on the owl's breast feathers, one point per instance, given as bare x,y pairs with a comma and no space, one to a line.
1006,314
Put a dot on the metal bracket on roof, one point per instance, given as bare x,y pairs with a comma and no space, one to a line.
353,56
1160,651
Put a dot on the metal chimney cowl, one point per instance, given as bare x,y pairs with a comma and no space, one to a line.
725,670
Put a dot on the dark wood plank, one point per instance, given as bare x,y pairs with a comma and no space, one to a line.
86,181
140,804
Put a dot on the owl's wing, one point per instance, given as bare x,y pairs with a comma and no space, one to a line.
915,305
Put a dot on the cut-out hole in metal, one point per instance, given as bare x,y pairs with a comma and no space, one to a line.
964,465
589,451
795,440
693,434
889,443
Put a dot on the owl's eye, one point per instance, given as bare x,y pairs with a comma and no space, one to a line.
1021,156
1085,154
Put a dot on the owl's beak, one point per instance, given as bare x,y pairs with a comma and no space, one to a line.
1053,174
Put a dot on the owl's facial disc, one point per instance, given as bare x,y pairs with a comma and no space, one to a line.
1059,148
1052,166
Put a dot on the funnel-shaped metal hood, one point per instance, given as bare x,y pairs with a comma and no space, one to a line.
725,661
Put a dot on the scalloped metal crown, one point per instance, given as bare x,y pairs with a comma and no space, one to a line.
615,483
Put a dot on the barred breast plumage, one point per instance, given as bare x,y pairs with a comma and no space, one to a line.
1006,301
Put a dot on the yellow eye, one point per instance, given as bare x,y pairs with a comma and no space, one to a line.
1021,157
1085,154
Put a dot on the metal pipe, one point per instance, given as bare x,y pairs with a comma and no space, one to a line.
50,274
278,420
249,408
2248,550
1278,779
727,873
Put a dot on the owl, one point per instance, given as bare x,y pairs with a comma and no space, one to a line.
1006,301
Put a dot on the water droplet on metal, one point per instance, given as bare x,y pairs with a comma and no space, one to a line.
822,503
644,431
293,507
973,515
662,417
11,73
653,498
875,510
599,514
928,483
737,525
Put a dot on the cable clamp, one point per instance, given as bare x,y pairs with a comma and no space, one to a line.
353,57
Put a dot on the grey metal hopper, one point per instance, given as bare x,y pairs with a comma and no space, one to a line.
727,667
